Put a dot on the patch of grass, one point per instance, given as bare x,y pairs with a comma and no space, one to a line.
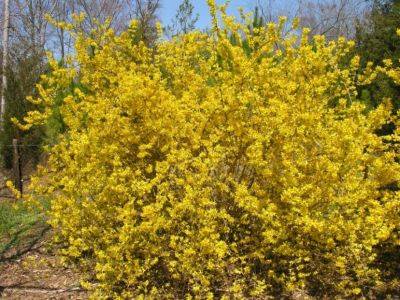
19,226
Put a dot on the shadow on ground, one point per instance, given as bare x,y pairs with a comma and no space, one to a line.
29,269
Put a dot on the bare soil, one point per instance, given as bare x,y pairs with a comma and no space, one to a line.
34,272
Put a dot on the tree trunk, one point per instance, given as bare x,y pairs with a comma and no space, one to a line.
6,21
17,167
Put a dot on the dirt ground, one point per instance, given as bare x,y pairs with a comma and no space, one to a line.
35,273
32,271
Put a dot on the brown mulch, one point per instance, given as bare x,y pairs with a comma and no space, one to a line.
36,273
33,271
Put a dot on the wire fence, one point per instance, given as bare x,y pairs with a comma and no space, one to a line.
17,172
22,146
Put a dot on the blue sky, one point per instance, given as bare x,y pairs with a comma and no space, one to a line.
169,8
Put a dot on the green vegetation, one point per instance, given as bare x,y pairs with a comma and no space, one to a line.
22,79
20,228
377,41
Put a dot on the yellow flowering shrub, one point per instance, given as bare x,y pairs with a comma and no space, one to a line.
202,169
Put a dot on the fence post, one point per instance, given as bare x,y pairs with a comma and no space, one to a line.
17,167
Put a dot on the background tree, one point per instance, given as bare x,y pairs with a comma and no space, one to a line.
271,10
332,18
145,12
28,35
6,19
184,21
30,27
62,41
376,40
117,12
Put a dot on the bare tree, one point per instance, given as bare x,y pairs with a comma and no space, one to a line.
62,11
117,12
332,18
33,34
6,19
272,9
145,11
30,26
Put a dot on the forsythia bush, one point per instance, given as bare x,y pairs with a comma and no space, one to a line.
205,169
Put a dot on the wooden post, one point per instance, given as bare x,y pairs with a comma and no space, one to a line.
17,167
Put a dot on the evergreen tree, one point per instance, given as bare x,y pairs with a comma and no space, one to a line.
22,79
376,41
185,20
